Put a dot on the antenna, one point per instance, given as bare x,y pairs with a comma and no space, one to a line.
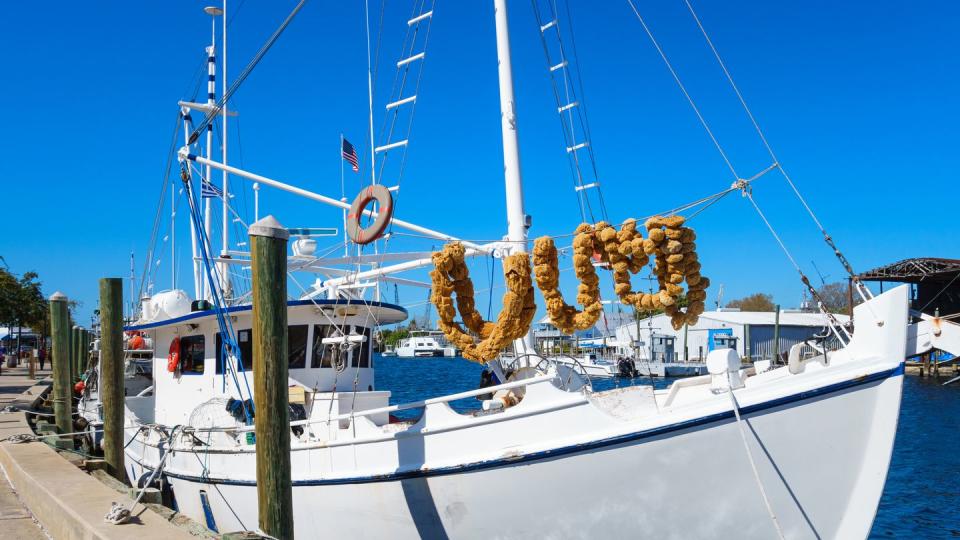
719,299
823,278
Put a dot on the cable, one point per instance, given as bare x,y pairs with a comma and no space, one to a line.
683,89
215,112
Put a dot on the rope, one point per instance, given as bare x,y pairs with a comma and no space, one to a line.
245,73
861,288
753,464
118,514
834,323
683,89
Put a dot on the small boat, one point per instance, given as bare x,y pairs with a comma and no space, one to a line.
422,344
591,364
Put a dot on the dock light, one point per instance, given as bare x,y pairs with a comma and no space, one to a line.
213,11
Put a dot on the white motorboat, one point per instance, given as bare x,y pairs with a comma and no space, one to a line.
591,364
423,344
801,450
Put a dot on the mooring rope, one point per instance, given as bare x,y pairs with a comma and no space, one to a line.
753,464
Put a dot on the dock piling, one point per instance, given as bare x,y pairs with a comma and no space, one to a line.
62,392
111,373
268,254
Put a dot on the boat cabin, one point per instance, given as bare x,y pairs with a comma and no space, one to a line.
329,343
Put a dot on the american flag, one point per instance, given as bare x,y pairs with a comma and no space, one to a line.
349,153
210,191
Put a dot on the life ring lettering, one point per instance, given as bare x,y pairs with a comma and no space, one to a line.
376,229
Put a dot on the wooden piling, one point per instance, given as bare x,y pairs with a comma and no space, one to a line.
60,358
268,254
111,373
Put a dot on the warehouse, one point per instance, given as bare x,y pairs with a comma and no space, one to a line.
751,333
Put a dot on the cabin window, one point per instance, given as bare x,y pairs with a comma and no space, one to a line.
192,355
361,355
297,345
322,354
245,342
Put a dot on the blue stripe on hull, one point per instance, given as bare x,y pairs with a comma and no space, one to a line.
578,448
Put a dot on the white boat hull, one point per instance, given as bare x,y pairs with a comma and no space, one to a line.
823,464
567,464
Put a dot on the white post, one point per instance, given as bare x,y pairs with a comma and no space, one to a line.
225,285
373,153
516,217
193,233
343,199
256,202
173,233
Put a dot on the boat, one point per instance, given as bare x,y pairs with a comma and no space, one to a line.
800,450
591,364
422,344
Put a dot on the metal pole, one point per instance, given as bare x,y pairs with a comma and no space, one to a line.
516,216
326,200
60,358
776,336
74,352
268,251
111,374
211,102
193,233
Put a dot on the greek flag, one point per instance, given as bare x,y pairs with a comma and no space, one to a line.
210,191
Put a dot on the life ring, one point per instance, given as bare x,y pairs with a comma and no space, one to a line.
372,193
173,356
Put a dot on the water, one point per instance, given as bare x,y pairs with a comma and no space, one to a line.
922,492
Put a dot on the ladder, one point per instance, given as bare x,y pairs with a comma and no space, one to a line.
394,132
567,89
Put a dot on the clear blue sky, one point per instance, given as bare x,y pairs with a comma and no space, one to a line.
859,99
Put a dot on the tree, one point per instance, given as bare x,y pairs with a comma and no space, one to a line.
754,302
21,301
835,297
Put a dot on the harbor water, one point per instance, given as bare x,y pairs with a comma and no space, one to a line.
922,492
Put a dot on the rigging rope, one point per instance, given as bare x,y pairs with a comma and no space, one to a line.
861,288
753,464
683,89
213,114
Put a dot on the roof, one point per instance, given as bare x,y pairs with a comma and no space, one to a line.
787,318
915,270
759,318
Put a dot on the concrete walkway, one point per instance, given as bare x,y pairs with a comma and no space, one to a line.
68,502
15,520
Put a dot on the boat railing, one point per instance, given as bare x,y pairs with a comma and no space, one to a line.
540,379
544,363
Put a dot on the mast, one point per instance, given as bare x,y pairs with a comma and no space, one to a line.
516,217
214,12
225,280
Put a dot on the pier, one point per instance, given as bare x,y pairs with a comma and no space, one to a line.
46,493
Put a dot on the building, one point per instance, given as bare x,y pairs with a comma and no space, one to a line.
601,336
751,333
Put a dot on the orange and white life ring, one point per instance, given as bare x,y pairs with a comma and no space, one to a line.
376,229
173,356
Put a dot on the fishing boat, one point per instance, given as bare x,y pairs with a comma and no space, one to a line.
801,450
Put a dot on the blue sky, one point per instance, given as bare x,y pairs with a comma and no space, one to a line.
858,99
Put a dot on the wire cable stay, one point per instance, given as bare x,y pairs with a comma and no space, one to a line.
215,112
861,288
567,85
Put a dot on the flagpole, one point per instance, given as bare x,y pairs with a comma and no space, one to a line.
343,198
